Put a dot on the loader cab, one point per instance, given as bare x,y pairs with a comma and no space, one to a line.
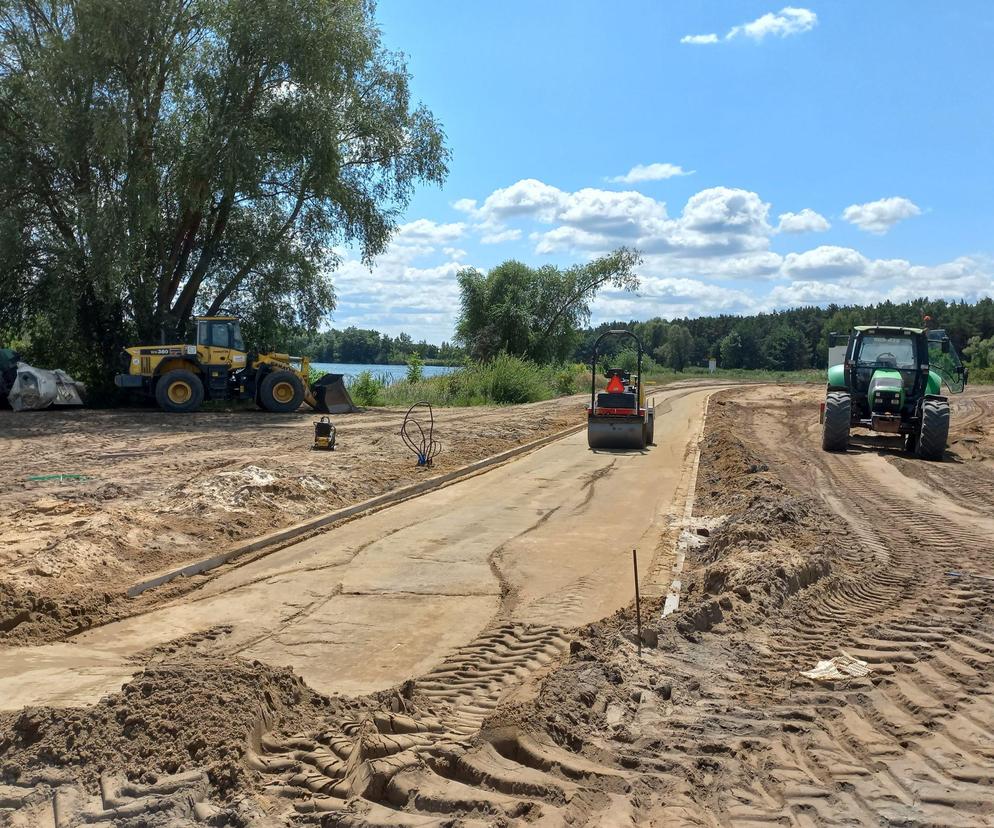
220,332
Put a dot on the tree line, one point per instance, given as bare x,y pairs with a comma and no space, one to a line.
366,346
796,339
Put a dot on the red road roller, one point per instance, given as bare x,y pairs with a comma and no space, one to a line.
618,417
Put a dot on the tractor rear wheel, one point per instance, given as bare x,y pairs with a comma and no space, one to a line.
179,391
281,392
935,430
838,418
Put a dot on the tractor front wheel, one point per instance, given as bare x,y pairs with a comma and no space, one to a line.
179,391
838,419
281,392
935,430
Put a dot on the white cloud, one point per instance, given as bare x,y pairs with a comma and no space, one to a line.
671,297
699,40
879,216
650,172
569,238
426,230
526,197
713,256
845,276
788,21
827,262
719,221
726,210
393,295
500,236
465,205
806,221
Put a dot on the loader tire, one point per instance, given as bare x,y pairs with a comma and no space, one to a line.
281,392
935,430
838,418
179,391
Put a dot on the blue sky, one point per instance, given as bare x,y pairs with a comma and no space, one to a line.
760,156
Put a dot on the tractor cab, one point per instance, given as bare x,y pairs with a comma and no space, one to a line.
888,362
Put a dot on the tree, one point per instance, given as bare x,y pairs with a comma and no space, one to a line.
732,351
679,348
785,349
536,312
164,158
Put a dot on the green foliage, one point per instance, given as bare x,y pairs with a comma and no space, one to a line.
678,352
503,380
980,353
785,349
415,368
165,158
797,339
535,313
366,389
571,379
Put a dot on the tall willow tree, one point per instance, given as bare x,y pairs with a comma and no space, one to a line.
168,157
536,312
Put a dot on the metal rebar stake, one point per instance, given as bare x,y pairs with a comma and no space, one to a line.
638,603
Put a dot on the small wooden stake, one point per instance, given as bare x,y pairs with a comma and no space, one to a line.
638,603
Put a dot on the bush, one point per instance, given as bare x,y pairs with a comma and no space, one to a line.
509,380
415,368
365,389
981,376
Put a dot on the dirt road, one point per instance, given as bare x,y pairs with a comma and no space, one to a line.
544,540
533,705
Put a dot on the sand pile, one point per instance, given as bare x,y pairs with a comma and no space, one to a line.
179,715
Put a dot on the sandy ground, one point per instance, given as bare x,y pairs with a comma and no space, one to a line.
161,489
543,540
795,556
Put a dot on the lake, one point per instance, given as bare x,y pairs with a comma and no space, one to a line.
388,373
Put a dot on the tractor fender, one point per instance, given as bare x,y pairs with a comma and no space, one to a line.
837,378
934,384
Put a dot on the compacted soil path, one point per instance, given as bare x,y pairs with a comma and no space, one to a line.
545,540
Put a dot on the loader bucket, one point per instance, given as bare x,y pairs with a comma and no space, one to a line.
616,432
330,396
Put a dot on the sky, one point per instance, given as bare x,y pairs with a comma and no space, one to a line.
759,156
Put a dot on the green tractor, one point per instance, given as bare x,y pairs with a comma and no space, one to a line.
889,380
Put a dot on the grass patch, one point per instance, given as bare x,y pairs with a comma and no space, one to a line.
508,380
504,380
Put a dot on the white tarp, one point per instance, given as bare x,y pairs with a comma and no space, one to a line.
36,388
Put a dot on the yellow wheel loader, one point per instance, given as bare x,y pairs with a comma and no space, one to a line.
217,367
